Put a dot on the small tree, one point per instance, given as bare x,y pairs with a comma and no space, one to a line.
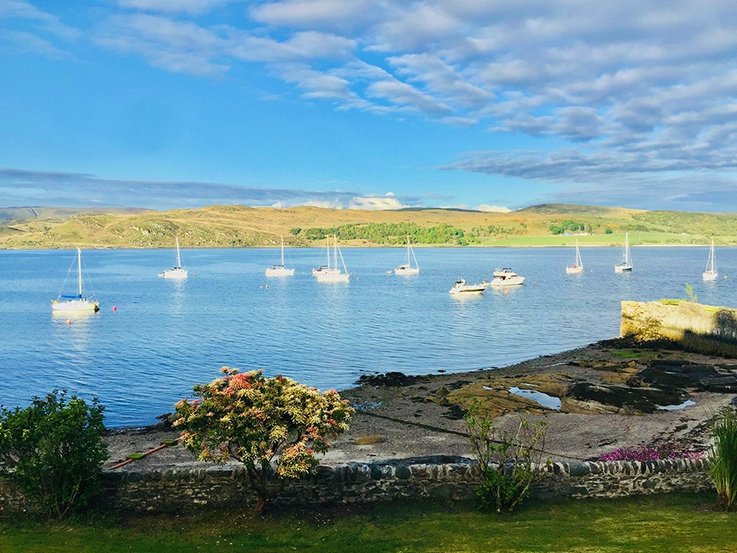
506,459
53,452
274,426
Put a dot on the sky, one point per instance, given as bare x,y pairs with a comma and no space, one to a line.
375,104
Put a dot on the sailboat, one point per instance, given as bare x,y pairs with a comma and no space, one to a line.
711,272
280,270
332,273
625,265
322,268
577,267
176,272
407,269
75,303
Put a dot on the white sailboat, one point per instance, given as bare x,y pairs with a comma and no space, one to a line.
711,272
280,270
333,273
407,269
76,303
625,265
577,267
177,271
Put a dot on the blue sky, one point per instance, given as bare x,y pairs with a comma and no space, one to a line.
368,103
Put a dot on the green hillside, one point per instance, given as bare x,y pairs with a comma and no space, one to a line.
240,226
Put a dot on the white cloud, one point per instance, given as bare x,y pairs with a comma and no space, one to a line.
493,208
374,203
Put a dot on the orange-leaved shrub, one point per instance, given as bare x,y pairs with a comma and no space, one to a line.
274,426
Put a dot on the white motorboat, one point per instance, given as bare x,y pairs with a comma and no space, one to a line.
280,270
505,277
625,264
75,303
177,272
577,267
461,288
711,273
333,273
407,269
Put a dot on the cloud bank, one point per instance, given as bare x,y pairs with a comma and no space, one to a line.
39,188
622,94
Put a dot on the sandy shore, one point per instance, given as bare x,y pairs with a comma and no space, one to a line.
611,395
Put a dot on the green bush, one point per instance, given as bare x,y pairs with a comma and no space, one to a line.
723,459
53,452
506,459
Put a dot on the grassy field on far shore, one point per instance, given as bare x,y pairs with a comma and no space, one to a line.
240,226
656,524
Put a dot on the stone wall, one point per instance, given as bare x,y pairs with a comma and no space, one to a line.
183,490
701,328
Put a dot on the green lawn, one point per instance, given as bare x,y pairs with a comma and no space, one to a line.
671,524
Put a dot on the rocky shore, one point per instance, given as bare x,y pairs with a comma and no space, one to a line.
608,395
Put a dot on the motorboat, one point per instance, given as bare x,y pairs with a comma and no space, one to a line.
505,277
461,287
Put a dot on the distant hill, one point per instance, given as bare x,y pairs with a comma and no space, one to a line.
240,226
36,212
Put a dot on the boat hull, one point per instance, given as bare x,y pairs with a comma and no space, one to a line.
407,271
504,283
330,276
574,270
467,291
175,274
75,306
279,272
709,276
623,268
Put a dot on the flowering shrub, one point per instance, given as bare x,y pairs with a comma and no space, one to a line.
274,426
650,453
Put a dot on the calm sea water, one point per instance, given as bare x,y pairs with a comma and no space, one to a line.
166,336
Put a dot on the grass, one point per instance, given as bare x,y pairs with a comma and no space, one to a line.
626,354
666,523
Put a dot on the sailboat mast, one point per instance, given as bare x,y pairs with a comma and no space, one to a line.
335,252
327,250
282,251
409,262
79,272
179,259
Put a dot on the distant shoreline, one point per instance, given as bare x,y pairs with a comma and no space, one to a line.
372,246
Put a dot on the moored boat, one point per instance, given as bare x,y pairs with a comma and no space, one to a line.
280,270
505,277
577,267
76,303
177,272
625,264
462,288
711,273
